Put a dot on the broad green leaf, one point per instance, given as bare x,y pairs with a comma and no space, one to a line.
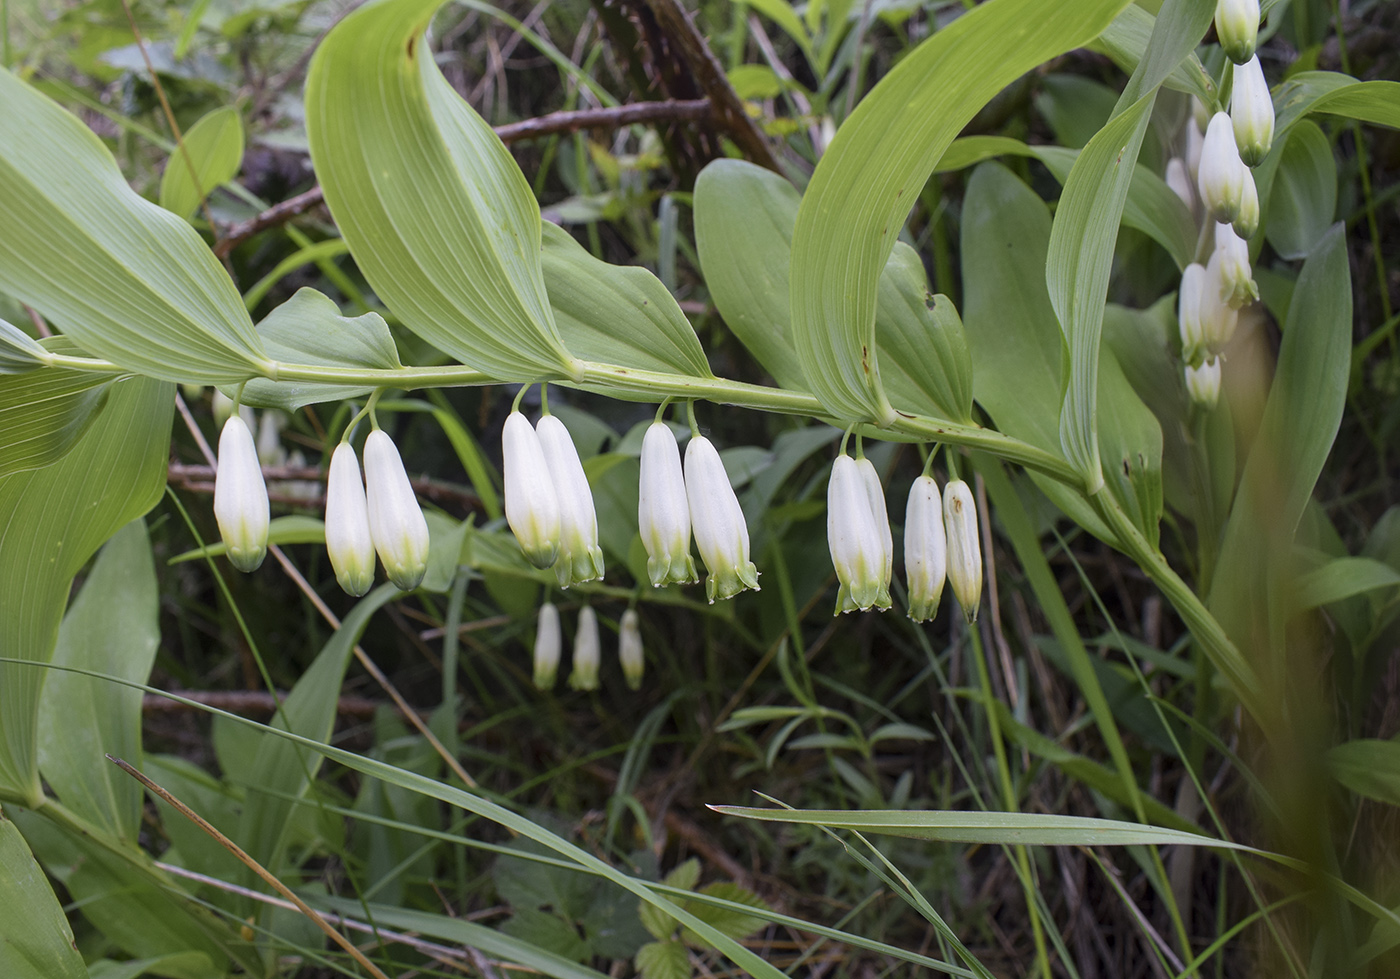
217,801
308,329
1075,107
928,369
664,960
867,180
1127,38
1342,578
1368,767
617,314
19,352
210,154
1375,102
1302,199
445,537
58,517
35,940
175,964
44,411
128,280
110,628
438,216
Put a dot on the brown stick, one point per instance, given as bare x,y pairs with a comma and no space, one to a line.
245,703
546,125
200,479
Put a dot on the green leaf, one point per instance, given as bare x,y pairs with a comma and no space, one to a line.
928,369
43,412
210,154
1303,195
1369,768
661,925
19,352
111,628
733,923
1126,39
58,517
1375,102
438,216
1343,577
782,14
868,178
308,329
1075,107
35,940
292,529
128,280
664,960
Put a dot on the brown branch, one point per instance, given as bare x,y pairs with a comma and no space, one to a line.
246,703
200,479
515,132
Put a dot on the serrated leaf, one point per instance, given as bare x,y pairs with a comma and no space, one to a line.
35,940
126,279
210,154
1302,198
663,960
733,923
661,925
43,412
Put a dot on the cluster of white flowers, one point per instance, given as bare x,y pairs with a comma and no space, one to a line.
940,541
583,674
1214,180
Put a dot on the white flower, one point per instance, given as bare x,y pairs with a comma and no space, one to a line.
1180,181
1221,180
532,505
855,540
721,533
663,514
925,549
1188,301
1203,383
580,557
270,425
587,651
964,548
1252,112
1229,267
875,493
1218,318
1237,26
629,649
348,540
396,521
549,644
240,497
1195,142
1247,221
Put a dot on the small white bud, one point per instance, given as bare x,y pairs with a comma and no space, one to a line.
1195,142
663,514
1188,317
1180,181
580,557
348,540
1229,267
1203,383
588,652
1218,317
1237,26
857,548
964,547
1221,180
549,644
396,521
1247,221
270,425
629,649
721,533
531,503
1252,112
925,549
1199,114
240,497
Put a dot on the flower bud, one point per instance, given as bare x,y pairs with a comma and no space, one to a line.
1247,221
532,506
1203,383
396,523
549,644
663,514
1195,142
855,541
964,548
348,540
629,649
925,549
240,497
583,675
1229,267
721,533
875,494
580,557
1218,318
1252,113
270,425
1237,27
1180,181
1188,317
1221,180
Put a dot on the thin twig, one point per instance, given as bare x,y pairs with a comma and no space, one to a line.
246,702
254,866
199,479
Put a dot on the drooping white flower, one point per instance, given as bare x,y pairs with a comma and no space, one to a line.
1247,221
396,521
1252,112
1229,267
721,533
531,503
1188,302
1195,142
857,548
925,549
629,649
1203,383
240,496
964,546
588,651
348,539
1222,174
580,557
663,514
1237,26
875,494
1180,181
549,645
1218,317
